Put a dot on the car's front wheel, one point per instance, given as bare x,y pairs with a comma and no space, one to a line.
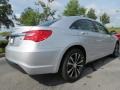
73,64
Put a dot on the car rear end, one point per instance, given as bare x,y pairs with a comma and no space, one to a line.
29,48
118,35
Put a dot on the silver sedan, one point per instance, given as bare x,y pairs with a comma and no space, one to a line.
64,45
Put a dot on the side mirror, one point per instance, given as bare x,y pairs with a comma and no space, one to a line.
113,32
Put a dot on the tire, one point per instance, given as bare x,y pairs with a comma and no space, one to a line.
116,50
73,65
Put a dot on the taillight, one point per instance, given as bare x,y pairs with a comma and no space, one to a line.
37,35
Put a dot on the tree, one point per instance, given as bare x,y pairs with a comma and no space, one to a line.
82,11
91,14
47,10
5,11
105,18
72,8
30,17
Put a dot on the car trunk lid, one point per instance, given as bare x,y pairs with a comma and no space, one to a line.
19,33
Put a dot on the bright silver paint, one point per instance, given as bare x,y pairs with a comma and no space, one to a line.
45,57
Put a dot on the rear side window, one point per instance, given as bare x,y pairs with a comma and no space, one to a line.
48,23
101,28
83,24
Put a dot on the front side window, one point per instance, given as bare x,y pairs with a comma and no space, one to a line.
101,28
83,24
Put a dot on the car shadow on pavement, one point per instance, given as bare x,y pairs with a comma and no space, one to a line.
96,65
56,79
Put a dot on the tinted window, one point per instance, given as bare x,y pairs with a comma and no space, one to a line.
83,24
101,28
48,23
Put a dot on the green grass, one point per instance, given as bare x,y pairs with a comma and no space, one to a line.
114,29
5,33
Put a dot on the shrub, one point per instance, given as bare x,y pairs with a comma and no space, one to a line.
3,43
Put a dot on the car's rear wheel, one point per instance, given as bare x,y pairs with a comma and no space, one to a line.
73,64
116,50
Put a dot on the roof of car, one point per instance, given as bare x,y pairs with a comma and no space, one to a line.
66,21
77,17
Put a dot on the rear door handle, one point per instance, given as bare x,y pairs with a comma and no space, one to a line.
108,36
83,33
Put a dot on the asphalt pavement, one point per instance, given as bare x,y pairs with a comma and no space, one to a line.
105,77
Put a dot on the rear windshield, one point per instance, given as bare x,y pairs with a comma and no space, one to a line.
48,23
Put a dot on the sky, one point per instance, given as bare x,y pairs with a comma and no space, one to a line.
111,7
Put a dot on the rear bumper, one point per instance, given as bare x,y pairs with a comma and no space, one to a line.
41,62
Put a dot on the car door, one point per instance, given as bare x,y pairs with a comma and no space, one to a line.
106,42
87,31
